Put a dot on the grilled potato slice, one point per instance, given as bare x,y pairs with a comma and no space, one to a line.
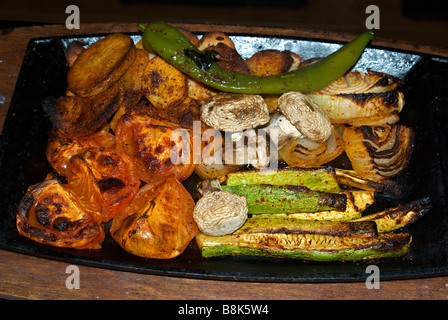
273,62
163,85
211,39
228,57
101,65
190,35
199,91
270,63
131,82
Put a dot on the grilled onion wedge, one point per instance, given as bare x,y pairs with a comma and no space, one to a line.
379,152
361,98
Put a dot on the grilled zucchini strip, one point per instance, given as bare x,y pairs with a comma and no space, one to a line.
267,198
398,217
315,247
357,202
289,225
317,179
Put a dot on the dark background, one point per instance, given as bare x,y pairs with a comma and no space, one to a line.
421,21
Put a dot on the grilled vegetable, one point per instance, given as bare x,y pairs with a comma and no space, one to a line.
378,152
266,198
361,98
51,214
219,212
305,153
78,116
352,179
174,47
398,217
361,82
346,106
357,202
273,62
218,46
104,180
317,179
60,149
306,116
154,145
101,65
289,225
163,85
131,83
316,247
158,224
234,112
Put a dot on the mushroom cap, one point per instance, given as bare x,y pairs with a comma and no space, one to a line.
234,112
306,116
220,212
281,130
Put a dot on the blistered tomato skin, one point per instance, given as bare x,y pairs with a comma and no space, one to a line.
50,214
104,180
151,143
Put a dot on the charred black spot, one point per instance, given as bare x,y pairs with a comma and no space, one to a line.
63,224
335,200
106,160
111,184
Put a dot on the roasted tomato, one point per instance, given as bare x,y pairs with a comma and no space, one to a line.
61,149
159,222
50,214
159,148
104,180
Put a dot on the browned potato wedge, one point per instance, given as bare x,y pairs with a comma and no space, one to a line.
213,38
78,116
198,90
229,58
131,82
163,85
269,63
101,65
192,37
272,62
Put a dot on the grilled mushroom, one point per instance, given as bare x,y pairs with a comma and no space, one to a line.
219,212
234,112
306,116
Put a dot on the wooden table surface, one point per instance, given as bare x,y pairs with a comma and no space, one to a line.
28,277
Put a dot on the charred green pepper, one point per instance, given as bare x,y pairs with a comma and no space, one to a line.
169,43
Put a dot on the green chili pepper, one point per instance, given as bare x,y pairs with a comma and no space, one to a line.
173,46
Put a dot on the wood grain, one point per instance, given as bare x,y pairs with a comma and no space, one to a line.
28,277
